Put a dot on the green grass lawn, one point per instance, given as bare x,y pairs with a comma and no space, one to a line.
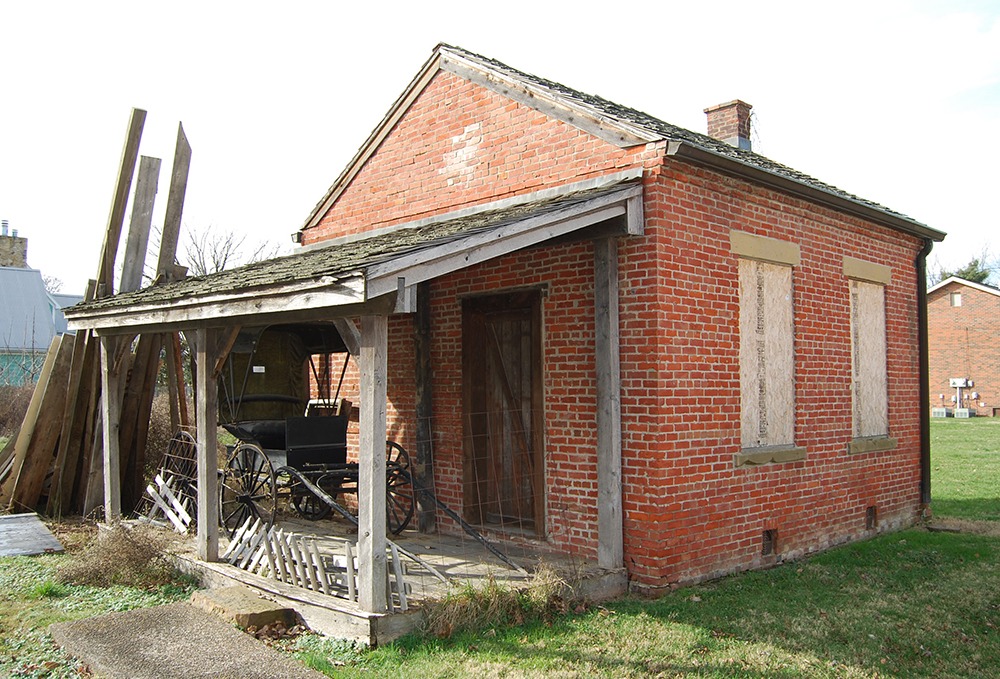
908,604
965,468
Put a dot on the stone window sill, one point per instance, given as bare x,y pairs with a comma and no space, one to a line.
871,444
769,455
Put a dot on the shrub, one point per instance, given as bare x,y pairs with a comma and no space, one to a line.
13,405
471,608
123,554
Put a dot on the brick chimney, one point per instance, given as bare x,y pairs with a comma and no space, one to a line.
730,122
13,250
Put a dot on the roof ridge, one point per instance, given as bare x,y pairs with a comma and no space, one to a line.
668,131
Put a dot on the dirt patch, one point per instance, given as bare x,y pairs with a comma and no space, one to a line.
987,528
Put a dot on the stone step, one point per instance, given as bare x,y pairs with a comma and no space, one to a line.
243,606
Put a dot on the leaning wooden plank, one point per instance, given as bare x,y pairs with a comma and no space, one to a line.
235,543
169,489
83,493
28,425
42,446
175,202
112,235
136,408
67,455
352,585
317,559
45,441
93,497
142,217
7,455
397,570
165,509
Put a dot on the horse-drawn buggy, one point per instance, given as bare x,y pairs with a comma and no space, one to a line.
278,399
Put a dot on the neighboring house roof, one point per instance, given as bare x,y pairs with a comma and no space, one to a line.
961,281
360,269
29,317
618,125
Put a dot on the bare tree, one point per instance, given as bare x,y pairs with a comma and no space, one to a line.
982,269
212,250
52,284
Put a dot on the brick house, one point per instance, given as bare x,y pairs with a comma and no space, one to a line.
602,333
963,324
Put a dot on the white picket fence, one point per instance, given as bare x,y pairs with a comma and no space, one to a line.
296,560
168,506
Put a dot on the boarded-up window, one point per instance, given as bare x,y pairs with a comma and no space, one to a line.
767,354
871,402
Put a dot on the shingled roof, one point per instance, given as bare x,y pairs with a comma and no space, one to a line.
621,125
359,269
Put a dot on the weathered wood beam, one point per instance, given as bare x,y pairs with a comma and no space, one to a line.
111,412
27,428
45,441
350,334
371,464
142,217
610,533
175,202
207,419
423,458
112,235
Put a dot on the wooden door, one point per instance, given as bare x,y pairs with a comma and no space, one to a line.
503,411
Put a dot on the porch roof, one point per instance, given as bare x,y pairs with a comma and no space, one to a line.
372,273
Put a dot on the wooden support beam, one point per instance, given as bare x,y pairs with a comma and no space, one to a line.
423,458
371,462
207,418
610,534
142,218
175,202
112,235
111,413
350,334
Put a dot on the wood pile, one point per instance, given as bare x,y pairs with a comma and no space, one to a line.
54,464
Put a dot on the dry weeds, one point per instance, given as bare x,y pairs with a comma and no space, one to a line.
123,554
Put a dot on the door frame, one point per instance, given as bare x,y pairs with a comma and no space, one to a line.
472,392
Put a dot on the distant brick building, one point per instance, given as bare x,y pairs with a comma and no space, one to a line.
963,322
634,343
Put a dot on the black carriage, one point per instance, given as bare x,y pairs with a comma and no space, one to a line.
288,445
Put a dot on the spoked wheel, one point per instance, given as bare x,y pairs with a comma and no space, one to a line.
307,505
248,489
398,488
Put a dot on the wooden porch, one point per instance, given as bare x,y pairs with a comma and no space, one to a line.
460,559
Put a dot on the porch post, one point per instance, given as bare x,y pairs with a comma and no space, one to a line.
371,459
207,422
610,539
111,417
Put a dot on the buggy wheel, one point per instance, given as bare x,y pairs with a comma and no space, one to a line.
248,489
306,504
398,488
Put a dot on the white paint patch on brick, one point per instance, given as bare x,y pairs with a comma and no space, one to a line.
460,162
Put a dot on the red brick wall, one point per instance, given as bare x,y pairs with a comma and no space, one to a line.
459,145
963,343
689,512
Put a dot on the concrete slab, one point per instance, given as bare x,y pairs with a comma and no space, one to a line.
175,641
243,606
26,535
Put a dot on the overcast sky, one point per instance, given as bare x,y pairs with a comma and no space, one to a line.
898,102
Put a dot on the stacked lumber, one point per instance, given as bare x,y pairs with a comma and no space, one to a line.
54,464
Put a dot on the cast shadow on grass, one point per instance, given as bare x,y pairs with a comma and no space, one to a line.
976,509
907,604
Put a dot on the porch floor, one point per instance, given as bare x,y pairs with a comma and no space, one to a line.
460,558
